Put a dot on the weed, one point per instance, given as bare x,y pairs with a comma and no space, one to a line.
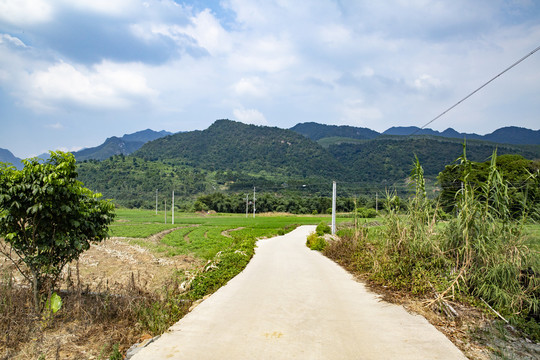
322,229
315,242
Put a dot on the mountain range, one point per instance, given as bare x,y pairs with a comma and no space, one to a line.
126,145
7,157
324,134
233,156
506,135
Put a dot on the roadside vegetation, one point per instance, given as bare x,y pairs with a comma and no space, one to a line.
484,253
103,320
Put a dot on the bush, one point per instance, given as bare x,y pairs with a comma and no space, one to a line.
322,229
315,242
366,213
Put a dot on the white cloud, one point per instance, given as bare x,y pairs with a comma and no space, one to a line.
426,82
252,86
69,149
105,86
250,116
25,12
208,32
8,39
335,35
266,54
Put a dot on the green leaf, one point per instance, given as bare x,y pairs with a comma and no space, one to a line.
54,303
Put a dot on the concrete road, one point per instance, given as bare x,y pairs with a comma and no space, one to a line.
293,303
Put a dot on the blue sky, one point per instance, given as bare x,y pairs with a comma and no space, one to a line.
74,72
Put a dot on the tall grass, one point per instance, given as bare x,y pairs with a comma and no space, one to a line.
489,249
480,253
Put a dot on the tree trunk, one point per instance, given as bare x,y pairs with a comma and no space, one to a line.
35,288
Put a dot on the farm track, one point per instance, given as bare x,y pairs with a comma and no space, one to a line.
291,302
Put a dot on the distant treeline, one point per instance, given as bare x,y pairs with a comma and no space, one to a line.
236,203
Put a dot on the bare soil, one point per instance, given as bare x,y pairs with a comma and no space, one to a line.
89,324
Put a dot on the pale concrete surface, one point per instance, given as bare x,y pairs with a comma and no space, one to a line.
294,303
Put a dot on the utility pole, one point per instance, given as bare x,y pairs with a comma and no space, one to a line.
156,200
377,202
254,202
247,204
334,207
165,211
172,209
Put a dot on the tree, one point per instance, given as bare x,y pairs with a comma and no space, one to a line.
47,218
521,176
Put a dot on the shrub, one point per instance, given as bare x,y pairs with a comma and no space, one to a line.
315,242
363,212
322,229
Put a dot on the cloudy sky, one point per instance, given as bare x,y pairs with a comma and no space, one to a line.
74,72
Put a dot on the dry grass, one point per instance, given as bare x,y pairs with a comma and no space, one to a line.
104,300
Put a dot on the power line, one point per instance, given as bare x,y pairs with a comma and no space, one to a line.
478,89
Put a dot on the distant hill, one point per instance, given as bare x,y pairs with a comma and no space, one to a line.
316,131
125,145
7,157
514,135
389,160
507,135
234,146
232,156
414,130
145,135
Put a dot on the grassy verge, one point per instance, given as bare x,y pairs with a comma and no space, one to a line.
481,258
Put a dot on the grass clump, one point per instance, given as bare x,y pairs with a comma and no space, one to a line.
315,242
322,228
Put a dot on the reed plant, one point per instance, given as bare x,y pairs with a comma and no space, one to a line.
488,247
480,255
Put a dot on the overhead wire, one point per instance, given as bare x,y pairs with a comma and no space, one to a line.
477,90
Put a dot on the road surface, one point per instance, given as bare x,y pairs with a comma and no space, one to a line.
293,303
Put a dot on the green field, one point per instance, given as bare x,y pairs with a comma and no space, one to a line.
202,235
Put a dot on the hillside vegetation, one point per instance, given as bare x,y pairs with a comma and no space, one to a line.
233,157
229,145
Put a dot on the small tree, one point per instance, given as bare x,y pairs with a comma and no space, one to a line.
47,218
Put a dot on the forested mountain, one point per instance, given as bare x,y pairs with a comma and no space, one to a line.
234,157
514,135
414,130
326,134
126,145
7,156
386,160
234,146
316,131
145,135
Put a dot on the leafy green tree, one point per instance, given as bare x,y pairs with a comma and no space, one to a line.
521,176
47,218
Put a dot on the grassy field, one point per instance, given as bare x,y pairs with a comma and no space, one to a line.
202,235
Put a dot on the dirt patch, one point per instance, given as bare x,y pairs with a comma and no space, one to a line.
116,261
89,322
227,233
